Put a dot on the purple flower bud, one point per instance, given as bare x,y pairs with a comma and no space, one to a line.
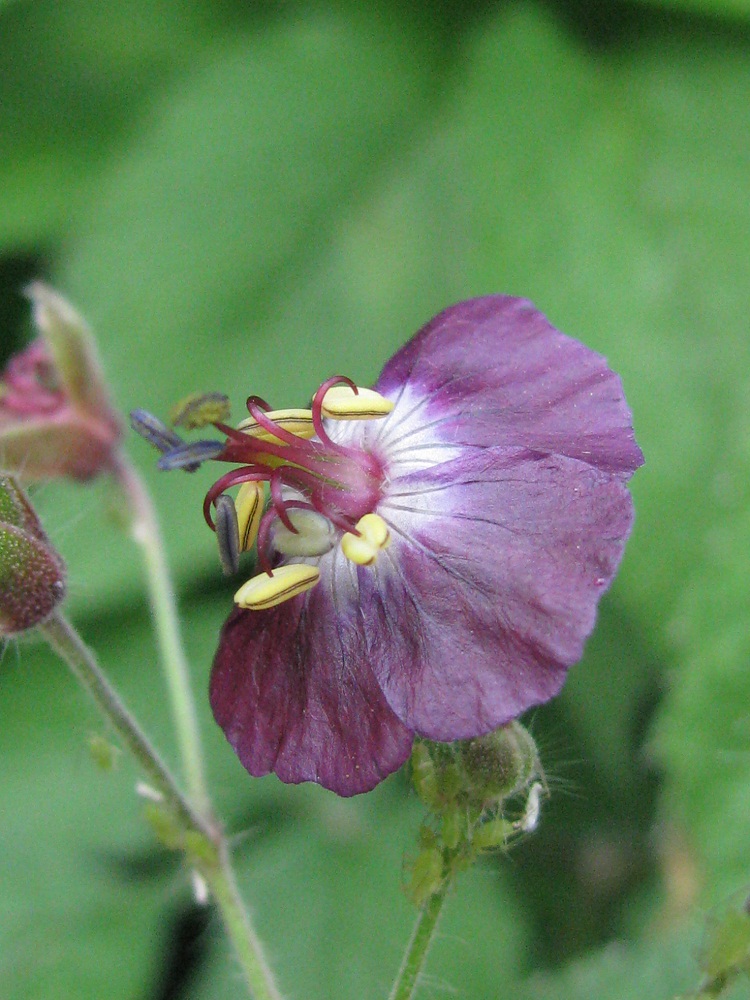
55,417
32,574
463,521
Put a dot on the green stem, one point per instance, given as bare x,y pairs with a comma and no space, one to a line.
247,946
416,951
67,643
206,848
146,533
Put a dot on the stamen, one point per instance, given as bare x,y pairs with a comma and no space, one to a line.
242,447
373,536
280,447
200,409
277,498
227,534
189,456
154,430
266,591
341,402
317,405
249,507
225,482
295,423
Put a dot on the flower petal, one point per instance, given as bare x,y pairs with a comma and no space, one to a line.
490,587
294,691
493,371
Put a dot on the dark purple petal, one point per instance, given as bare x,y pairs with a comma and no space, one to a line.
294,691
490,587
493,372
503,466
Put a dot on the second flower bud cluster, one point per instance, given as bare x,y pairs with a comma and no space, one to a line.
468,787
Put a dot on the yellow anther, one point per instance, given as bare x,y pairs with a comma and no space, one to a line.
341,403
200,409
297,422
373,537
249,504
265,591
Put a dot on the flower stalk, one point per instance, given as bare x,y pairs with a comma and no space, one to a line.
67,643
201,839
467,787
415,956
146,533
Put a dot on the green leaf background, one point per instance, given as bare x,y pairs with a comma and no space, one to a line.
250,197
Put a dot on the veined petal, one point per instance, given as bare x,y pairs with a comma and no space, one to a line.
295,693
490,586
498,479
493,371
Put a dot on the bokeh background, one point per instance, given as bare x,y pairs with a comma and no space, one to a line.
249,197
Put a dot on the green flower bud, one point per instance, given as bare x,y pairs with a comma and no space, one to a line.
475,774
32,574
501,763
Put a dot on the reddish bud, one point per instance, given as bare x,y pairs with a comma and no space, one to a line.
55,417
32,574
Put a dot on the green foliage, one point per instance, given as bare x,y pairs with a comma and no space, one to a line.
249,198
721,8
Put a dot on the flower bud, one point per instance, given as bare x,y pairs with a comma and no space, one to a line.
55,416
501,763
477,774
32,574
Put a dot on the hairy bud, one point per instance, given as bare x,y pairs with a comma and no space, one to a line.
32,574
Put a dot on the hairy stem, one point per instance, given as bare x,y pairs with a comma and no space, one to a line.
145,529
203,841
407,979
69,646
247,946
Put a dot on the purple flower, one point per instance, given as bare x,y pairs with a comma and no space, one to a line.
432,570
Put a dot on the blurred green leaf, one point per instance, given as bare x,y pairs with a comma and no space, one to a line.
658,969
86,892
74,78
703,733
718,7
